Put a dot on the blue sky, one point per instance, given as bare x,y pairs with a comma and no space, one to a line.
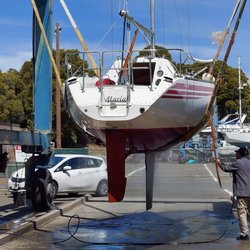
186,24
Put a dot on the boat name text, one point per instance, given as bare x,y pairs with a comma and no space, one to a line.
116,99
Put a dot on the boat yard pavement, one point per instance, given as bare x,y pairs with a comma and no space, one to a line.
176,221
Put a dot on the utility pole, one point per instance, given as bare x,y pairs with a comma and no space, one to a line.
58,90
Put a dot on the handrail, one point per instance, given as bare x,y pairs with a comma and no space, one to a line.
107,56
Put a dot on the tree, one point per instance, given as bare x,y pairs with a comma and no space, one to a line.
10,88
16,96
160,52
228,93
71,136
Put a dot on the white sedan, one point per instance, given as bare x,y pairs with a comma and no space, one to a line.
71,174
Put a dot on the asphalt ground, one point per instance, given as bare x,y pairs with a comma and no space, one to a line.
16,220
176,222
96,224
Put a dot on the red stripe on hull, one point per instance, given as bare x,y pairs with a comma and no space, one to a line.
182,86
180,97
181,92
184,91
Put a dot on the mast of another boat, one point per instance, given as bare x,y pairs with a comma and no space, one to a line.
240,88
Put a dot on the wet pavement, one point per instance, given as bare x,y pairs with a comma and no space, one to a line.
97,224
178,221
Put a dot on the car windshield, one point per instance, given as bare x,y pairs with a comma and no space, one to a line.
54,160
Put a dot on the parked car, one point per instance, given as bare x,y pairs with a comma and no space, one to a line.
71,174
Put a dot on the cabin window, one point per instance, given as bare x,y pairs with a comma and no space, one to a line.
141,73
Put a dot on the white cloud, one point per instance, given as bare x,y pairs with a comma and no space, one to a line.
14,61
14,22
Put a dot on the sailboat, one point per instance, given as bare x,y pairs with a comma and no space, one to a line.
239,136
141,104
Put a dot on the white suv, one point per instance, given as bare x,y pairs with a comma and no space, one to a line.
71,174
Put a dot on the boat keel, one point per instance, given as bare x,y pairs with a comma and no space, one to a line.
116,165
150,167
116,156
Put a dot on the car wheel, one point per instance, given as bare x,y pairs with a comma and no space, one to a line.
53,189
102,188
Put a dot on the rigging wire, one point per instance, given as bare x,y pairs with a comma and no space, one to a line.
178,23
111,29
163,23
112,23
188,24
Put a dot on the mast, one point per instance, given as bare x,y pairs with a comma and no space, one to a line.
240,88
148,31
152,25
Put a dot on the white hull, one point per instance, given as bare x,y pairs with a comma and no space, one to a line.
168,108
239,139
